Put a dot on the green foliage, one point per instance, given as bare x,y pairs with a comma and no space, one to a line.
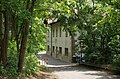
95,58
115,45
116,63
31,64
37,36
44,68
97,22
36,39
11,67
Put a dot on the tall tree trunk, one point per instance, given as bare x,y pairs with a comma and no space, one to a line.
5,40
0,36
23,46
15,31
24,37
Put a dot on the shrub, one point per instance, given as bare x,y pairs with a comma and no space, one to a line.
31,64
94,58
11,67
116,62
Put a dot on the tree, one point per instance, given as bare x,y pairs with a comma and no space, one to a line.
97,23
24,35
20,17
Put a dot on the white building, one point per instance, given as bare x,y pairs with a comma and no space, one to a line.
60,44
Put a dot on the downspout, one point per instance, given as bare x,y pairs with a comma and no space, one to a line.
72,45
45,22
51,40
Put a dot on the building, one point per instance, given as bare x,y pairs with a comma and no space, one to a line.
60,44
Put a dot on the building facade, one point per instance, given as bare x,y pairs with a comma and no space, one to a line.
59,43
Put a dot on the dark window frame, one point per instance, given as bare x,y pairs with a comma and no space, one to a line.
53,49
66,33
66,51
48,48
56,32
60,32
60,50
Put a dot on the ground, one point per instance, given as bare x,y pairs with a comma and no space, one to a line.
64,70
43,75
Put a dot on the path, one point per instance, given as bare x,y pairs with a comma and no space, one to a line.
66,70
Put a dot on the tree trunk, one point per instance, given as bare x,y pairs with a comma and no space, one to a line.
23,47
0,36
24,37
5,40
15,31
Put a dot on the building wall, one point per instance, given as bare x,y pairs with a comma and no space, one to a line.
57,41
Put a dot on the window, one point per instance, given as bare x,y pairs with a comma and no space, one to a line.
66,51
66,34
56,49
53,32
60,50
48,48
53,49
60,32
56,32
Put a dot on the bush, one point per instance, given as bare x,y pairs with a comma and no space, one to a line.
94,58
31,64
11,67
116,62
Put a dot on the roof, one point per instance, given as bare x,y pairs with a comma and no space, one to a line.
51,21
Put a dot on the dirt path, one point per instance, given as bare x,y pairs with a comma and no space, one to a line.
81,73
66,70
